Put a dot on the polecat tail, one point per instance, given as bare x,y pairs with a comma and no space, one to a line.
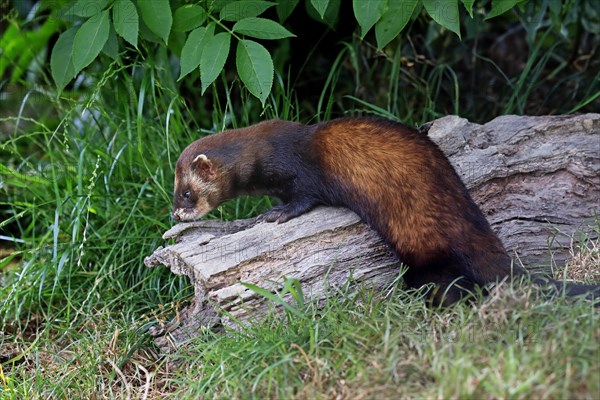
591,291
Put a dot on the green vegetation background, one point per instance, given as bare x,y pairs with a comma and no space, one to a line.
86,180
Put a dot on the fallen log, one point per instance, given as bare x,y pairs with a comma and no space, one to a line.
537,180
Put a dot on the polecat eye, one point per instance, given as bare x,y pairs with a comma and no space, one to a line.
187,194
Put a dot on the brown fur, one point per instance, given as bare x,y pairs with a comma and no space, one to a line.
411,194
395,178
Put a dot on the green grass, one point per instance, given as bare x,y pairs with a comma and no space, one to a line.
363,345
359,345
86,192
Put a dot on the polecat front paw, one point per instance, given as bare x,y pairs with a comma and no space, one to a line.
277,214
285,212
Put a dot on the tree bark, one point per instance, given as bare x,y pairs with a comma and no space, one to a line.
537,180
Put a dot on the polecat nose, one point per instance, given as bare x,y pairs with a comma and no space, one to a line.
176,217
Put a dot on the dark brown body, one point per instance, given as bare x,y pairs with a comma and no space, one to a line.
395,178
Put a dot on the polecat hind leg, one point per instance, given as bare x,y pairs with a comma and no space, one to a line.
450,283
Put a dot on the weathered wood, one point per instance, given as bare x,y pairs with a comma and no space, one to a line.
537,179
532,177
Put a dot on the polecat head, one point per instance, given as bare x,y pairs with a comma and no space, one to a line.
196,188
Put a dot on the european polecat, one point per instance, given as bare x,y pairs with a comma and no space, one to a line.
394,177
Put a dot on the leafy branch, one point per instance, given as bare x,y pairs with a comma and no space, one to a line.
212,25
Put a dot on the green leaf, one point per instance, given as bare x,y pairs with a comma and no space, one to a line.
88,8
331,13
217,5
192,49
157,16
188,17
255,68
444,13
147,34
61,59
367,13
261,28
555,6
321,6
89,40
294,287
500,7
277,300
126,20
285,9
111,47
393,21
239,10
214,55
468,6
591,21
176,42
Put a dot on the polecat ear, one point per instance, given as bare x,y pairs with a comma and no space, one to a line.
204,167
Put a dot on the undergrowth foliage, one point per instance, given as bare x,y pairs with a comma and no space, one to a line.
95,109
88,199
362,346
214,24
